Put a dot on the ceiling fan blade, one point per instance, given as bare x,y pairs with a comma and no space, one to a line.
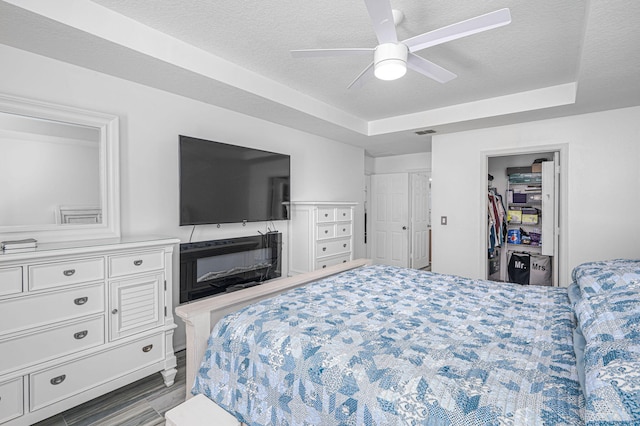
428,68
321,53
382,19
362,77
458,30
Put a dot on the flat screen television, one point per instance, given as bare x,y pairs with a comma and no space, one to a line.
222,183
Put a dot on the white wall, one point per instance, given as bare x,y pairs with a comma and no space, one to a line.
150,122
602,181
399,163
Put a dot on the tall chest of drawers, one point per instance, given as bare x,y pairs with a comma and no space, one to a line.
321,235
80,319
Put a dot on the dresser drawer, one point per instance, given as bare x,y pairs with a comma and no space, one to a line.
324,263
10,399
10,280
329,248
63,381
63,273
343,229
343,214
135,263
326,231
49,344
44,309
326,214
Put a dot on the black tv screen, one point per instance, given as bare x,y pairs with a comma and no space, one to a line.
222,183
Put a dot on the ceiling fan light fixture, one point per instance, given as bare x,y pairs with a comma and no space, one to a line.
390,61
390,69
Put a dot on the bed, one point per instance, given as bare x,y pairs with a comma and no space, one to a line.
378,345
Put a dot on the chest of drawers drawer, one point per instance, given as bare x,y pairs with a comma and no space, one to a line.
326,214
135,263
62,381
65,273
10,280
40,346
329,248
344,214
343,229
325,263
10,399
326,231
46,309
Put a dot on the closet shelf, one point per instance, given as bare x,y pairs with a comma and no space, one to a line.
531,203
525,246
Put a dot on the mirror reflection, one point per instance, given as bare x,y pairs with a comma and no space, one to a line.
50,172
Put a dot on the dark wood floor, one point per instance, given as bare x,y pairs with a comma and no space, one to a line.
142,403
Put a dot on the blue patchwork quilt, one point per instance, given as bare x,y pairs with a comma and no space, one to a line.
609,319
389,346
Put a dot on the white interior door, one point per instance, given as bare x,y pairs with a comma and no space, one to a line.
419,220
548,208
390,219
550,212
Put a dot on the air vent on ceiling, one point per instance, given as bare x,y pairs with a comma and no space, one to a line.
425,132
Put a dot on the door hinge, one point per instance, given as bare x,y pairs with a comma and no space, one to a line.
165,285
165,311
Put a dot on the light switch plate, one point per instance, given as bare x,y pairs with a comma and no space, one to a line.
443,220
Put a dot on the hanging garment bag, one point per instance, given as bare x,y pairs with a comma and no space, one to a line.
519,268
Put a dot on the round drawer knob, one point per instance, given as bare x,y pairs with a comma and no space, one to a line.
114,311
326,231
324,249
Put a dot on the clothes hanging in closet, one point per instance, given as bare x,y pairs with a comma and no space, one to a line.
497,221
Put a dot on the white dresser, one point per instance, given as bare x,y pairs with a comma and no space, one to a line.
79,319
321,235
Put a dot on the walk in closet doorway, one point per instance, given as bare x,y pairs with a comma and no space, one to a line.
524,204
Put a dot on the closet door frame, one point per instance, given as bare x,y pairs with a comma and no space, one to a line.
562,149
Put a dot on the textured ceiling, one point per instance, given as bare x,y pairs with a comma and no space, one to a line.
554,59
539,49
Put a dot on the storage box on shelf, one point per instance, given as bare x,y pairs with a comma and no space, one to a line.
81,319
321,235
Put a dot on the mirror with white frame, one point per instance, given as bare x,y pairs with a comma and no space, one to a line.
59,168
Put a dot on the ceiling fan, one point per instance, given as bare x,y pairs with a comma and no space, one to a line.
392,57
